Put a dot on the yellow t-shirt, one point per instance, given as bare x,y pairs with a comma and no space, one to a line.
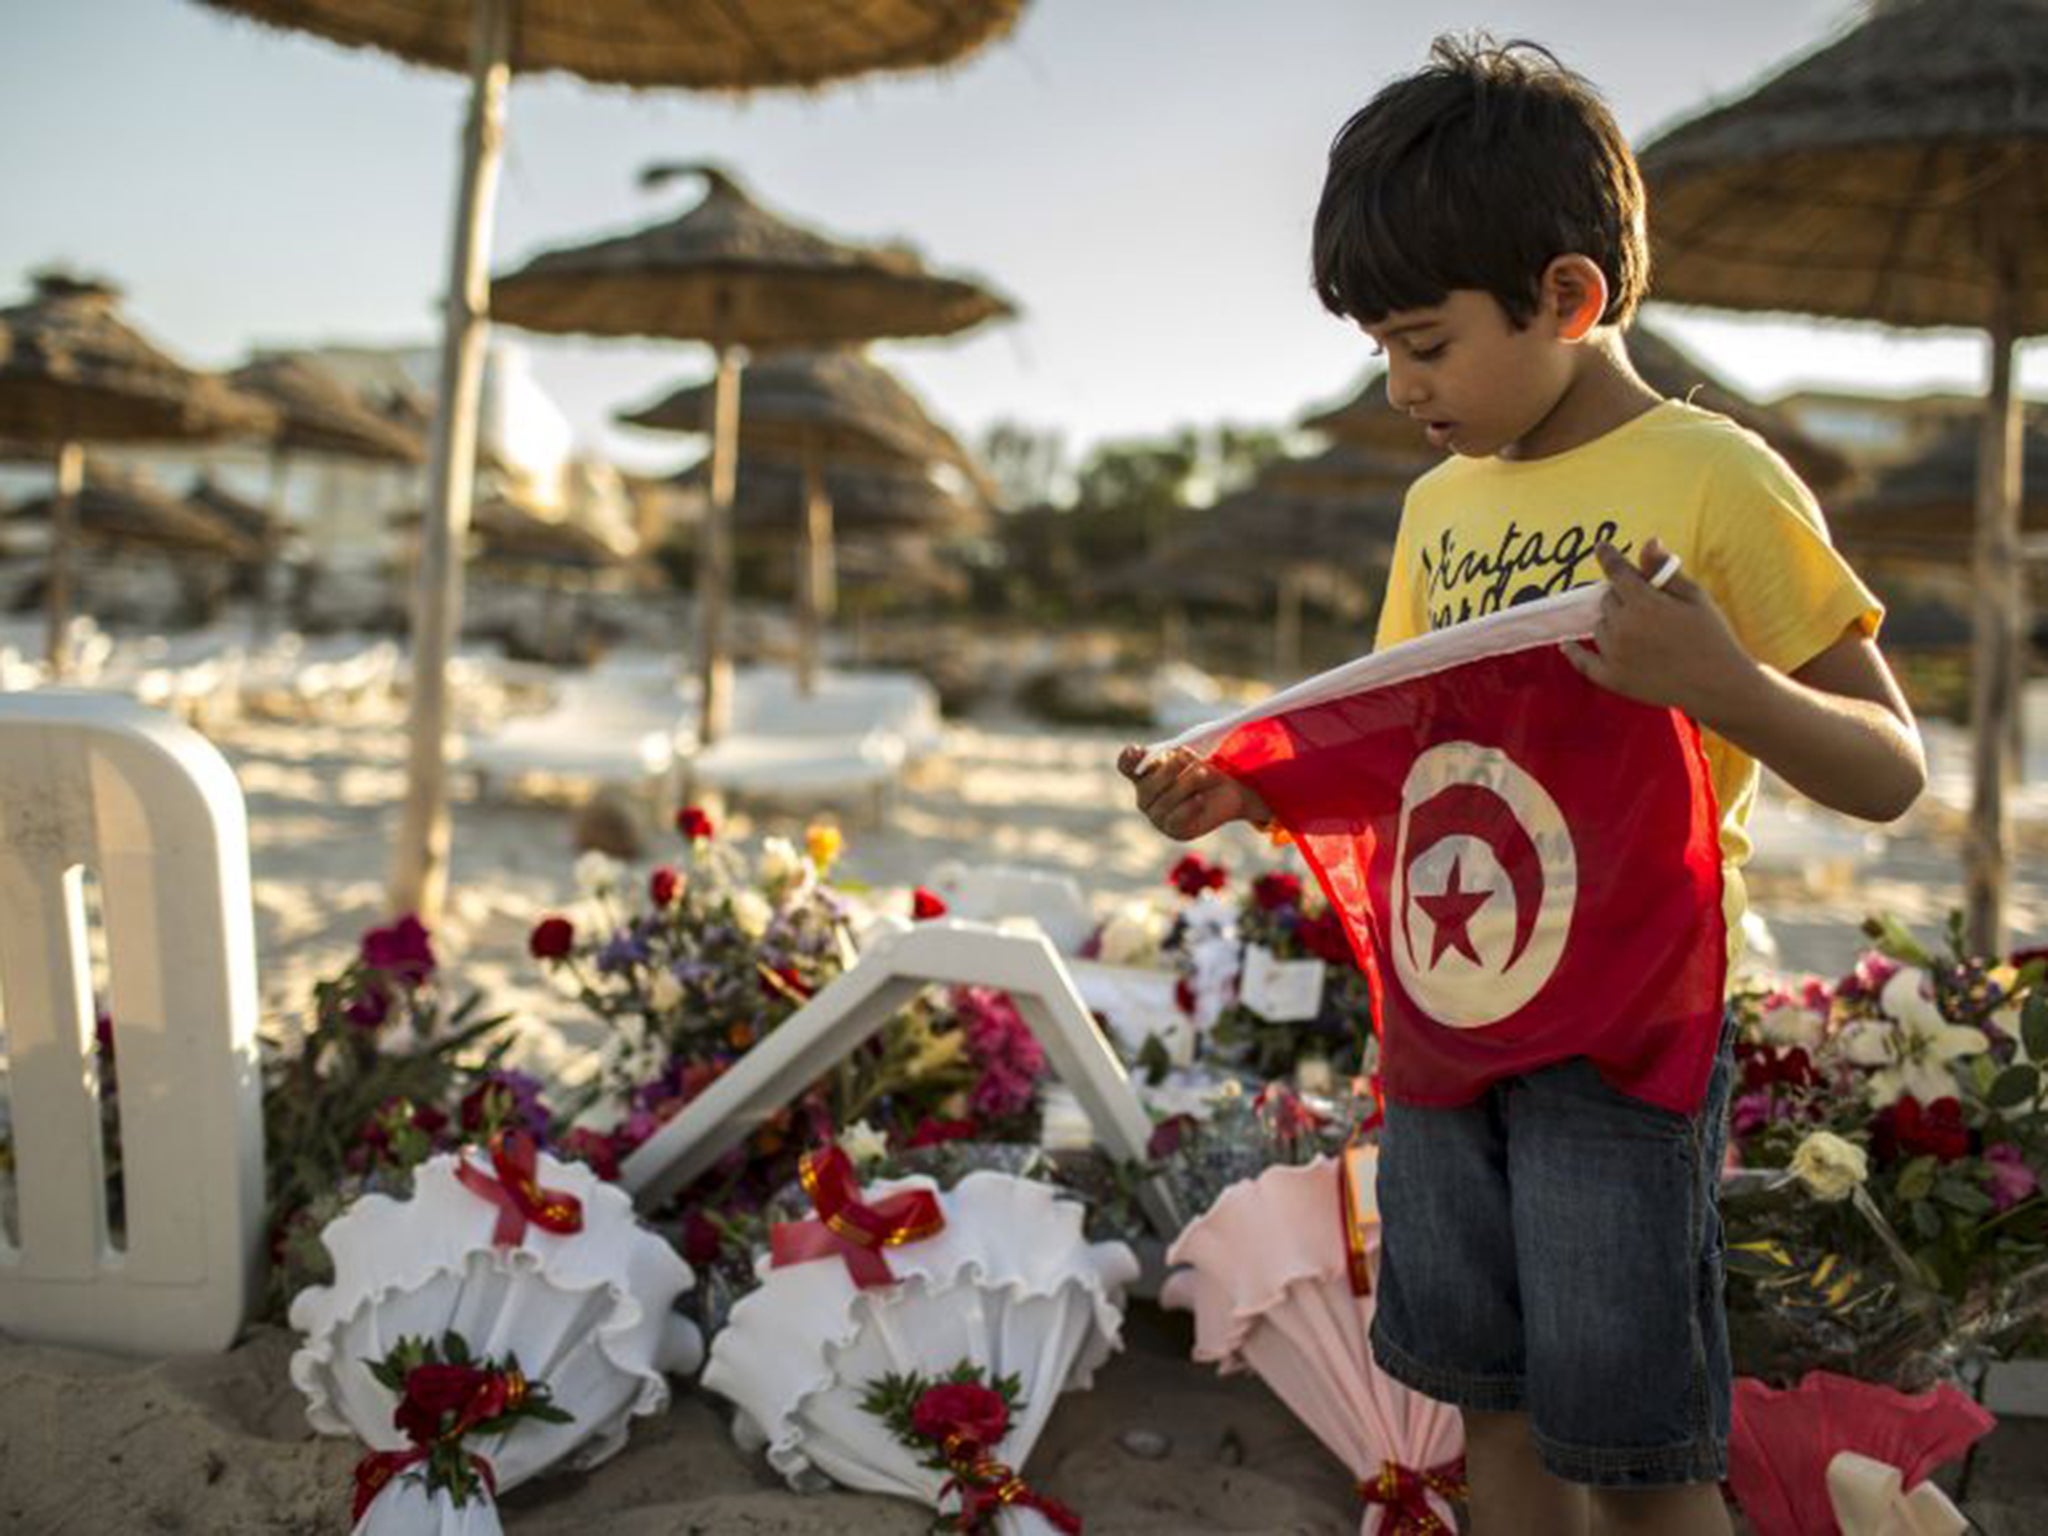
1480,535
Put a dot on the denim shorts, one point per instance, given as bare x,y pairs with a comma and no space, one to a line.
1554,1248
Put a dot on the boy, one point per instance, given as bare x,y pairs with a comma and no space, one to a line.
1551,1253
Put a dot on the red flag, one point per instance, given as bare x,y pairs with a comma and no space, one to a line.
1527,865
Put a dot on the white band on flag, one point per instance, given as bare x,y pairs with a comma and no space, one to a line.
1549,621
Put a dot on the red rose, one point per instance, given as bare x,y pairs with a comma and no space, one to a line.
1184,996
552,938
1195,874
926,904
961,1411
931,1132
1765,1066
693,823
437,1400
662,885
1276,889
593,1148
1323,936
701,1240
1168,1134
1907,1128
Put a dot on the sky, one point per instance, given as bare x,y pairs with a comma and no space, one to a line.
1139,176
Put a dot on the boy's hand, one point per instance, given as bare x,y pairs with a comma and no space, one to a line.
1667,645
1184,797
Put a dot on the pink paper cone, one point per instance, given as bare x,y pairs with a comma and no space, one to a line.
1267,1283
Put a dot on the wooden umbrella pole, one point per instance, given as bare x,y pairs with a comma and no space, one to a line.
263,620
813,551
63,539
714,559
1996,656
419,878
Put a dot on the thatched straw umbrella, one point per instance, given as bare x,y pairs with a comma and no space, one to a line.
1369,422
1926,509
124,513
813,407
1345,469
731,273
72,373
706,44
1895,175
770,496
1266,546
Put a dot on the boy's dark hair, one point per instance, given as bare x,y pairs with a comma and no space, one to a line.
1477,171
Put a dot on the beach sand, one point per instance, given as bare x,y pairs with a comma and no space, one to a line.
90,1444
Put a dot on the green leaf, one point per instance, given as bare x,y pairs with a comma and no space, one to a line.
1916,1179
1894,939
1963,1196
2034,1026
2017,1084
1926,1220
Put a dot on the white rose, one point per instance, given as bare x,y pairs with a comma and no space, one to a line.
1830,1167
863,1143
1787,1023
597,872
1133,934
751,913
665,993
781,864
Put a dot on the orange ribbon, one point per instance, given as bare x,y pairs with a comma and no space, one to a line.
1406,1492
517,1193
376,1471
848,1228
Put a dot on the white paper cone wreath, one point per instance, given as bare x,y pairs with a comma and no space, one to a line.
1001,1282
406,1508
585,1309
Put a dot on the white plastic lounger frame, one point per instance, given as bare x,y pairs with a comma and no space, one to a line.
891,972
92,782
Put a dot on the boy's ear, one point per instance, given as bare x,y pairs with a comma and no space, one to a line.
1573,295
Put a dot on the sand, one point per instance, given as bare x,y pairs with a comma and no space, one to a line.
91,1444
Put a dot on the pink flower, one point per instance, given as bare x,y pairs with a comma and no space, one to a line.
404,949
2007,1176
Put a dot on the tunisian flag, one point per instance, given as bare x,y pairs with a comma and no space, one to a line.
1527,864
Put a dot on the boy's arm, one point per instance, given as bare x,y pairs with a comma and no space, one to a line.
1838,729
1184,797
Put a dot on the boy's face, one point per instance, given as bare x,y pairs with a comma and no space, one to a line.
1476,382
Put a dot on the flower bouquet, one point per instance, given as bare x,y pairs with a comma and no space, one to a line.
1891,1129
437,1482
1269,979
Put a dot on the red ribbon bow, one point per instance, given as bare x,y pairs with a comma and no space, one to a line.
376,1471
847,1227
987,1487
1406,1491
517,1193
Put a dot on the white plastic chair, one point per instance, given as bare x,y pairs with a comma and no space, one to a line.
96,782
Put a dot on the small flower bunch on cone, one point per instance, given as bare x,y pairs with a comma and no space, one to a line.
959,1422
444,1396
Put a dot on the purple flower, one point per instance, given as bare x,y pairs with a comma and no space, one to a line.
2007,1176
404,950
624,950
371,1006
509,1098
